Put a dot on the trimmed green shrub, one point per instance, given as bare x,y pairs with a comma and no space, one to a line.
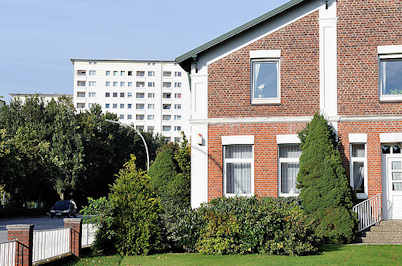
326,196
250,225
136,211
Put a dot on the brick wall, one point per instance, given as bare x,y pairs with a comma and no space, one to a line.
362,26
373,131
265,154
229,77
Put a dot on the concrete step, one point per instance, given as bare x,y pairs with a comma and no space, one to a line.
391,223
379,241
382,237
386,228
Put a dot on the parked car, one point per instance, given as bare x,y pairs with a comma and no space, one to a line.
64,208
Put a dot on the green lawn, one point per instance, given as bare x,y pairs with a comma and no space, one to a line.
332,255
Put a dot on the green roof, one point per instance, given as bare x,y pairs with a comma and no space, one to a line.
185,59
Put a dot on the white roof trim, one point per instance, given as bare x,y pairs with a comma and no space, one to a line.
390,137
357,138
389,49
265,54
233,140
288,139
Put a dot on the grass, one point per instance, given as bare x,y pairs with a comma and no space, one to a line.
331,255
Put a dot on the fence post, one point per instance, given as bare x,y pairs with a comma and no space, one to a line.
23,234
75,237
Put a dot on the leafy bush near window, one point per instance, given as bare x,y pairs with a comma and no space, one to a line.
326,196
250,225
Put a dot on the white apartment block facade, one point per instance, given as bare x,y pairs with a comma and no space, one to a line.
152,95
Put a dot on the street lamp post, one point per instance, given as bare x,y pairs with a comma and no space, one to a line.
138,132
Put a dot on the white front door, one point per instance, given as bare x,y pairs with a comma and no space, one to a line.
394,184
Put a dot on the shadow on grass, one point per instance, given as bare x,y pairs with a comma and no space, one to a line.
330,247
86,253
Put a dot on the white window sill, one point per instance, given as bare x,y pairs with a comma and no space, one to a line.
266,101
391,98
283,195
239,195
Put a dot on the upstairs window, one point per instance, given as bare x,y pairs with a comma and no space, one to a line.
265,83
265,76
391,79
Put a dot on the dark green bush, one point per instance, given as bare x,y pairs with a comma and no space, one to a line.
251,225
170,175
326,196
136,211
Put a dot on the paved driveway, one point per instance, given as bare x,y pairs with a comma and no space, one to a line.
40,223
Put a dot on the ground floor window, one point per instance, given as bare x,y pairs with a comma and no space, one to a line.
289,155
358,179
238,169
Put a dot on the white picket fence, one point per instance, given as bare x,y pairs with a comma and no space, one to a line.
88,235
7,253
50,243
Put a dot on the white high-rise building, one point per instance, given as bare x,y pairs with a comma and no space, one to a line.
153,95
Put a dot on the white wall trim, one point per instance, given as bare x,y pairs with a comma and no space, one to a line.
265,54
389,49
292,119
357,138
232,140
390,137
369,118
288,139
240,120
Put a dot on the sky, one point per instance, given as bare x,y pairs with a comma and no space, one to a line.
38,37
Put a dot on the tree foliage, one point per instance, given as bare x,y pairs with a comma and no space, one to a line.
49,151
325,192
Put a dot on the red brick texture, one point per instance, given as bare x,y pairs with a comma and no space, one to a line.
229,77
362,26
373,131
265,155
23,234
76,232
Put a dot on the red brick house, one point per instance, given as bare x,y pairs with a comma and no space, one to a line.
255,87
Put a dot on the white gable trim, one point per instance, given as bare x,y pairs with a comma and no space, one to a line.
233,140
258,33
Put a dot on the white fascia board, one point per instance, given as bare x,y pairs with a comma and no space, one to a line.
390,137
389,49
265,54
357,138
233,140
288,139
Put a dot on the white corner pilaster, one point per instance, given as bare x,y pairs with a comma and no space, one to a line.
328,59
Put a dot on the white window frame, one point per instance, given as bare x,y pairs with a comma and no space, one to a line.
359,160
388,52
238,140
285,160
265,56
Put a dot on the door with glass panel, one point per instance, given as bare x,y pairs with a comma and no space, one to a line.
394,178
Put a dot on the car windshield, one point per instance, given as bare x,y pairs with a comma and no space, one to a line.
62,205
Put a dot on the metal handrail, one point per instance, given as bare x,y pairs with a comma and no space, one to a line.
368,212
